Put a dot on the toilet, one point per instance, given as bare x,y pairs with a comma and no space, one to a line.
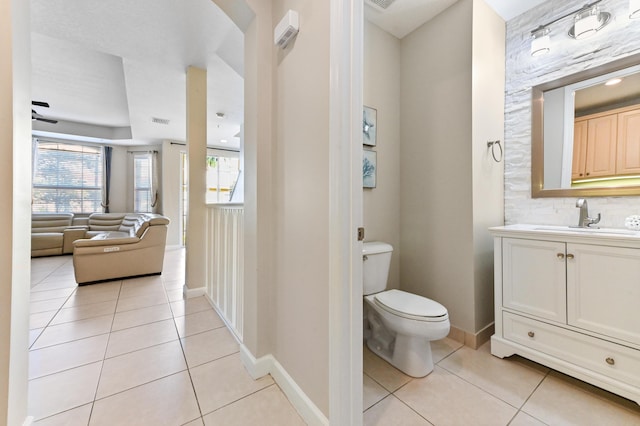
398,326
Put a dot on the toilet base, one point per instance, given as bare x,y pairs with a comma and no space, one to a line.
411,355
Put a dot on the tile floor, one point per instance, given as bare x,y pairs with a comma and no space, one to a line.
469,387
133,352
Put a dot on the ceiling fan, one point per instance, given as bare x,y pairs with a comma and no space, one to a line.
36,116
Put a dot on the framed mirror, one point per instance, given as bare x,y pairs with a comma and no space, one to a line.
586,133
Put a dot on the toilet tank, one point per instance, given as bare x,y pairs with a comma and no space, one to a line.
376,258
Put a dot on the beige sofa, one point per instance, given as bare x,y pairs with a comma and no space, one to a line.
119,245
54,233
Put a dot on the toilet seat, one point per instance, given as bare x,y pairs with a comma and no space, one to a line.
411,306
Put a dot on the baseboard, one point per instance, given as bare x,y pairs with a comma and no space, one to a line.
231,329
190,293
269,365
482,336
473,340
456,334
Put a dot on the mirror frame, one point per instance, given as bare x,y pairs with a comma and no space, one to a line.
537,135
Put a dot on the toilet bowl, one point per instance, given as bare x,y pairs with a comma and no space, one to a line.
399,325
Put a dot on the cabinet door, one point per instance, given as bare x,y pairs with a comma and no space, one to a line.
534,278
628,143
603,290
601,146
579,149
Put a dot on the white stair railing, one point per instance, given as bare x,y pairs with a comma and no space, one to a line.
225,254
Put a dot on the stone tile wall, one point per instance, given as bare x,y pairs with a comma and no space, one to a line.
619,39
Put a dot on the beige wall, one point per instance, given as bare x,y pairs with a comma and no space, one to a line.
381,205
487,125
171,190
286,194
301,192
436,163
259,205
452,91
15,191
195,256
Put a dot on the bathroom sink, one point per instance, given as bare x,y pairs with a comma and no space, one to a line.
600,231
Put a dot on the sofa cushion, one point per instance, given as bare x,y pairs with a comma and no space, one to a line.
110,235
46,240
135,224
105,221
50,222
159,220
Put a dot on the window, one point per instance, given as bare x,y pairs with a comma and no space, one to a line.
222,174
142,183
67,178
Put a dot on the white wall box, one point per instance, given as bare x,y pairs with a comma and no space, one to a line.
568,299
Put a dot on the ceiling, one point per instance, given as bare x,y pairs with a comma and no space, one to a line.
107,68
600,95
404,16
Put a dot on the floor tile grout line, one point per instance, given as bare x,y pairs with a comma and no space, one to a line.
247,396
62,412
49,274
385,388
139,385
79,319
104,357
212,360
410,378
62,343
48,325
529,397
141,325
480,388
450,353
391,395
49,322
412,409
451,372
184,355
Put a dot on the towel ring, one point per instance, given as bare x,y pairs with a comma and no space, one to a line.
492,145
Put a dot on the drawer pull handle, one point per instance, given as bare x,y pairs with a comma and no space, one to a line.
610,361
531,334
560,256
570,256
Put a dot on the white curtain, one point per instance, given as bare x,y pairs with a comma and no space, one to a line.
155,190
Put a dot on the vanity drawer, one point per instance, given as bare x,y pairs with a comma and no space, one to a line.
609,359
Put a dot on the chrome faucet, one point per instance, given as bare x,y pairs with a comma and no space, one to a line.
585,221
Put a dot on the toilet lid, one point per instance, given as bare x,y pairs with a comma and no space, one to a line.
410,305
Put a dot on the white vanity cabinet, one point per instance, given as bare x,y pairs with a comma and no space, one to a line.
534,276
570,299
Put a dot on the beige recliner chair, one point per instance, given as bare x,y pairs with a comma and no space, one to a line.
135,247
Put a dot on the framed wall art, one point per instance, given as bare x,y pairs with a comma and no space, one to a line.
369,168
369,126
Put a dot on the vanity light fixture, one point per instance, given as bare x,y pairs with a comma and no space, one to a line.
613,82
586,21
634,9
541,41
